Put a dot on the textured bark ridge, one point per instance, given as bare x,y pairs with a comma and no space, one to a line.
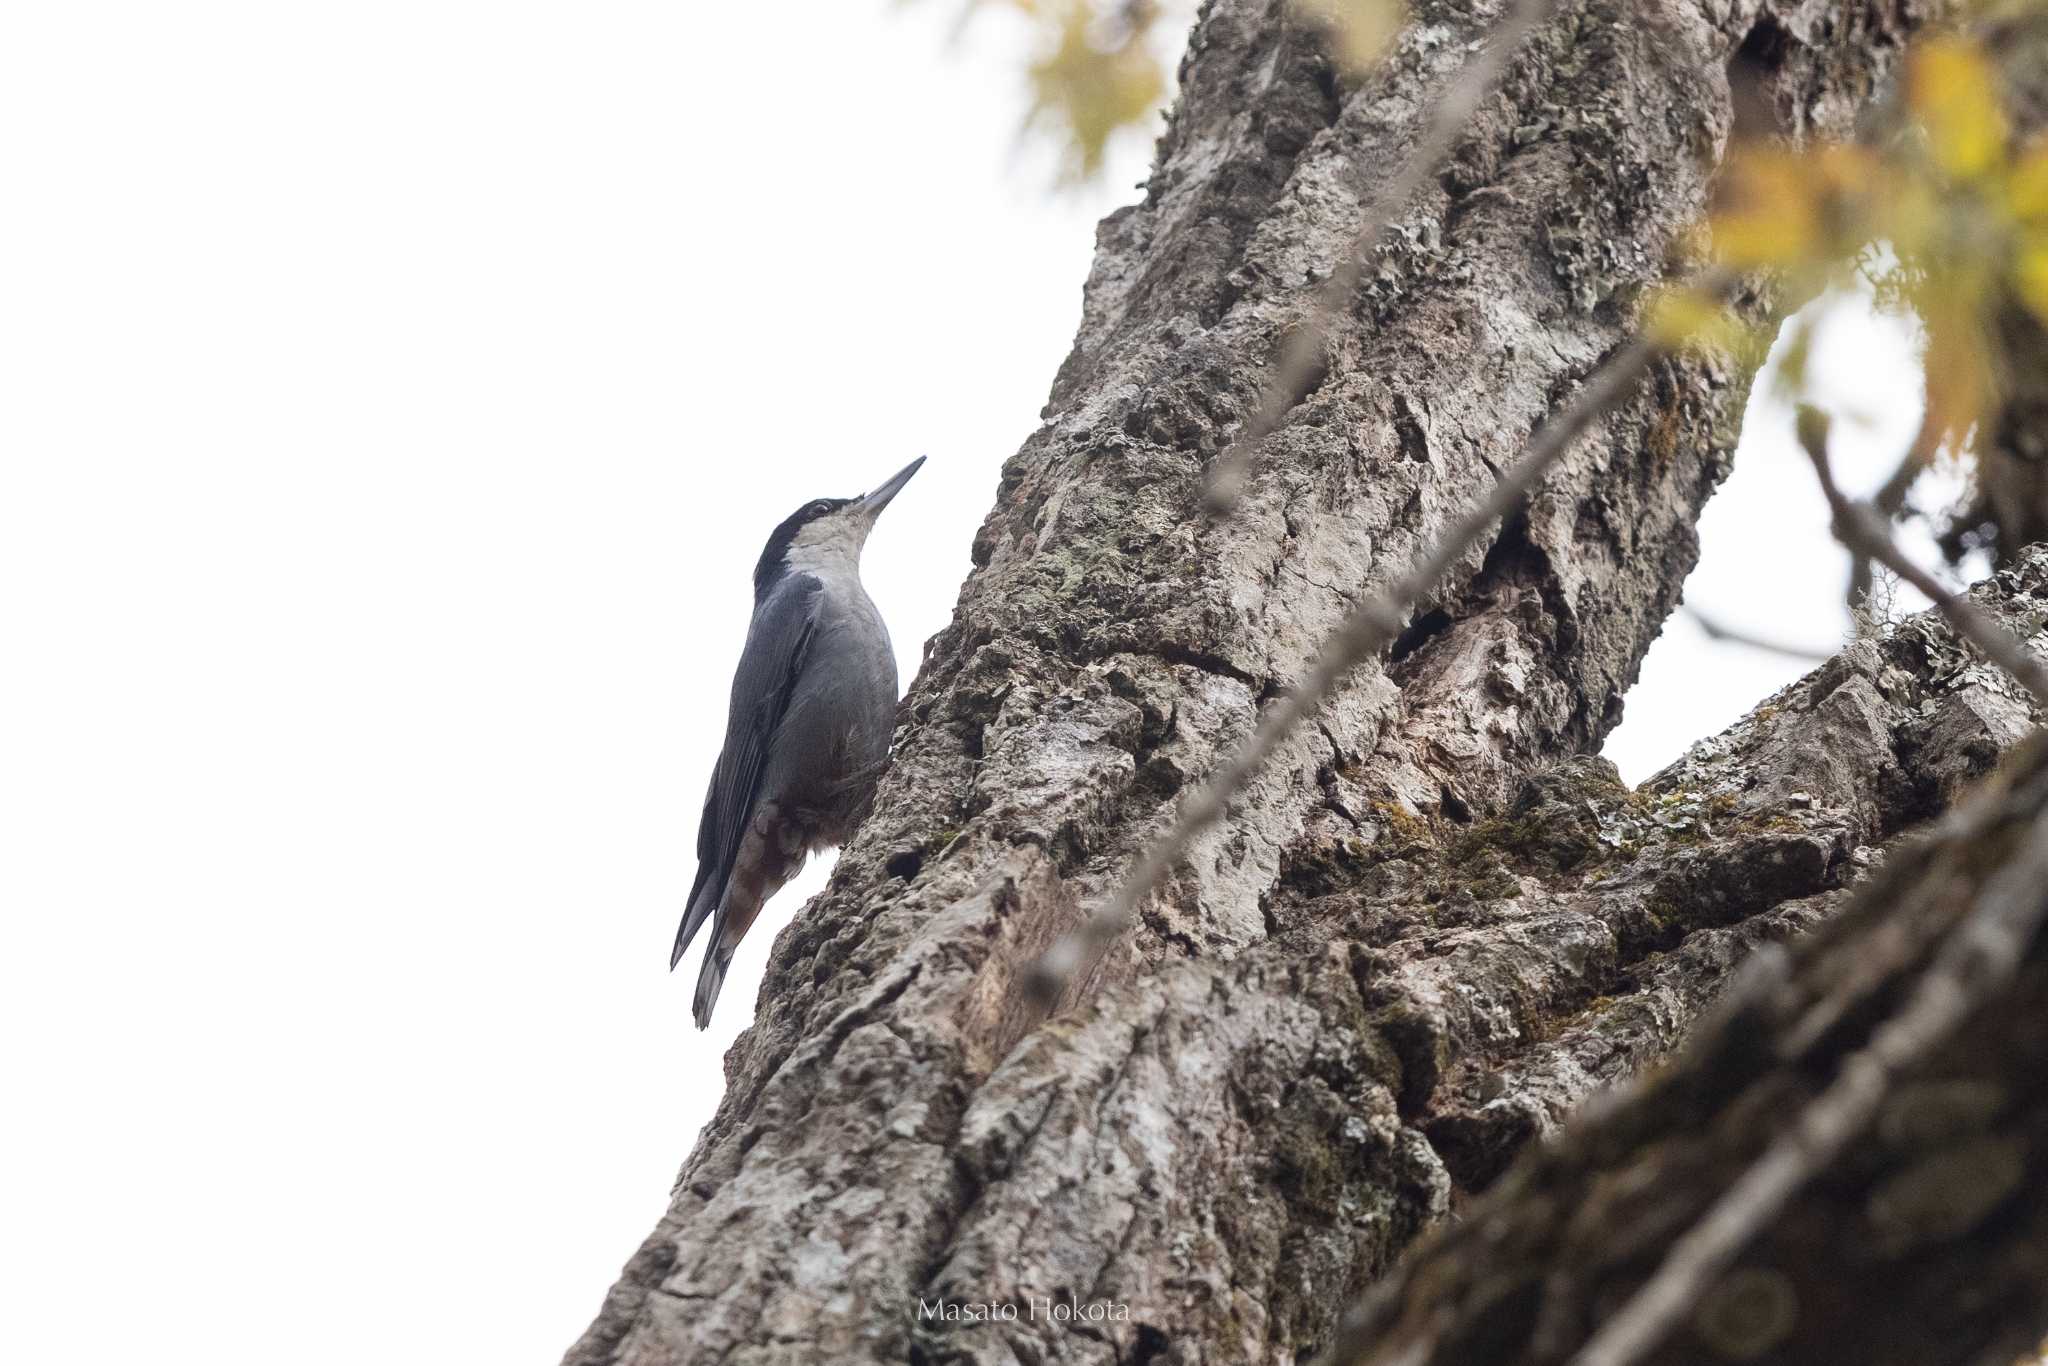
1927,1242
1417,939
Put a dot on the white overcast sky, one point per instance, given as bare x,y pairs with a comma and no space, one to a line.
393,400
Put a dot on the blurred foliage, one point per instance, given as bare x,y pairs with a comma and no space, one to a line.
1099,75
1100,68
1361,29
1947,218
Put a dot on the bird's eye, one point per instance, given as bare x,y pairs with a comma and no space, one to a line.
819,509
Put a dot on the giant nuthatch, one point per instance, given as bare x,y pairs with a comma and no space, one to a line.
813,703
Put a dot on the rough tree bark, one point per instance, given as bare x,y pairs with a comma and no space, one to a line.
1428,929
1926,1241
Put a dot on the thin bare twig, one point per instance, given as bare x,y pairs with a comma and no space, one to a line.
1371,626
1302,357
1890,500
1865,533
1717,630
1979,955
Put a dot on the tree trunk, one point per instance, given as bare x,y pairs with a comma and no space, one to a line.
1428,928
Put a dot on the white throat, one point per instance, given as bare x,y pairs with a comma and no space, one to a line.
829,548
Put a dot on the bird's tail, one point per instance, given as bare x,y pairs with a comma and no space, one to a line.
705,893
710,978
731,903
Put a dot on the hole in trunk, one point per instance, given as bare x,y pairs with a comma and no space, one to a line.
1424,627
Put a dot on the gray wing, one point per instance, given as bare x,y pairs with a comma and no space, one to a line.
770,665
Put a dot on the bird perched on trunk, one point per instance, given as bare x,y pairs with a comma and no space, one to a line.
813,703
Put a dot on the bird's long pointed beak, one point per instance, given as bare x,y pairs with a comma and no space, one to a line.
874,502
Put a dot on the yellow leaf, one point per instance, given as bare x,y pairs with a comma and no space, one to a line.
1958,370
1794,362
1954,91
1846,169
1911,214
1678,317
1363,27
2030,273
2026,185
1768,215
1094,90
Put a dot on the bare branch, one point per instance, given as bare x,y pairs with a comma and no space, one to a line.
1890,500
1716,630
1302,356
1865,533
